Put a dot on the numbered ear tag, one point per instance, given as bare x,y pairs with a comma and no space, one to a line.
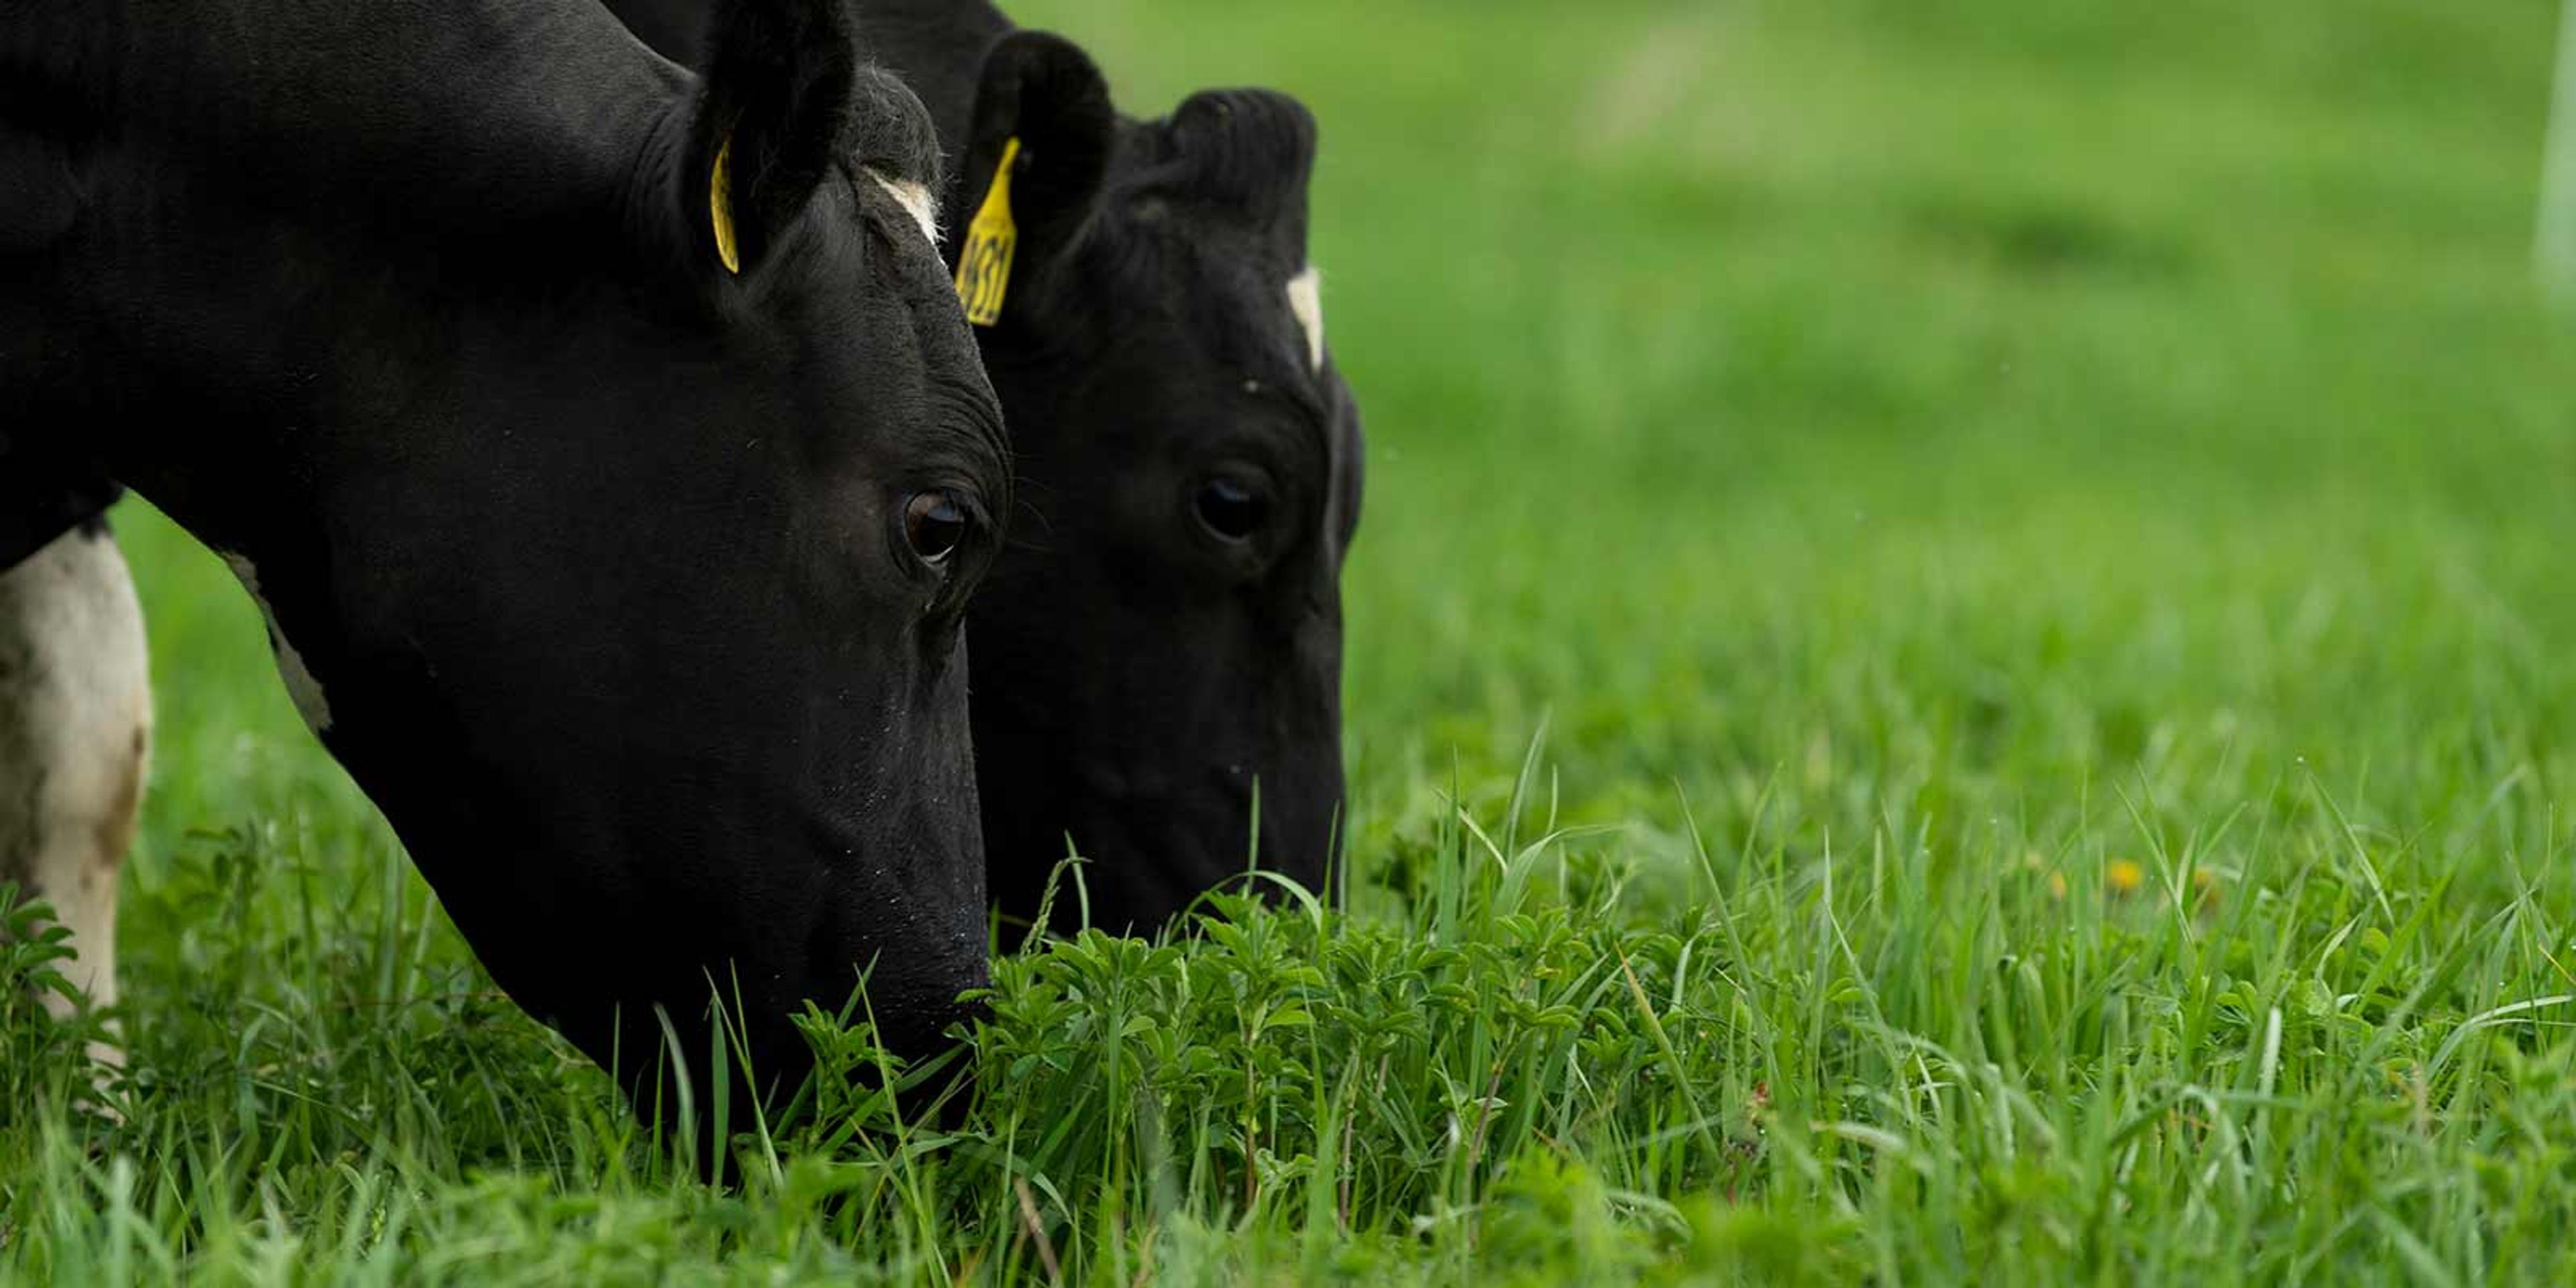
984,267
720,207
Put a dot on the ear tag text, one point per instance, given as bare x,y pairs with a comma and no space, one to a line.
984,266
720,207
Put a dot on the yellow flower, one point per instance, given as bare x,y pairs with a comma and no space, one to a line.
2057,885
2123,877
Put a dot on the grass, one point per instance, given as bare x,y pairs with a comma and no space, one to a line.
1959,671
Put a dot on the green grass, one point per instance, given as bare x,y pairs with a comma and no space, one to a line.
1854,482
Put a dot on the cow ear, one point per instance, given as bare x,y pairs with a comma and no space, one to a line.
1250,154
781,76
1042,106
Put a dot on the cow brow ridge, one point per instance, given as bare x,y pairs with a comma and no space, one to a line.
985,435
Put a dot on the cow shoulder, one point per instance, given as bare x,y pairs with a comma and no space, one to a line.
38,202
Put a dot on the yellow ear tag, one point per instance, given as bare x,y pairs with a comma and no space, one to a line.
720,207
984,267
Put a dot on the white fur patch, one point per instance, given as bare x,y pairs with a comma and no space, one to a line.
305,690
915,200
1306,300
75,687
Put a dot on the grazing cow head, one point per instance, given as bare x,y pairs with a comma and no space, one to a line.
608,451
1159,651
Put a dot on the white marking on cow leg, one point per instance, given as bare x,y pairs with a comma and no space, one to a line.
1306,300
75,741
300,684
916,202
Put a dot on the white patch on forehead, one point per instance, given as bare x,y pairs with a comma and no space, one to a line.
300,684
1306,300
915,200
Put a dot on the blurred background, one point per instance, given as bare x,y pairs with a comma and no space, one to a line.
1835,417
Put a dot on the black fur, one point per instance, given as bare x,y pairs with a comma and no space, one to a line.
1241,157
595,553
46,491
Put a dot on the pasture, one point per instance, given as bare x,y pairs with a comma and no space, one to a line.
1961,669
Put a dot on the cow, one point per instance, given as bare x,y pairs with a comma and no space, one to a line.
606,449
1158,652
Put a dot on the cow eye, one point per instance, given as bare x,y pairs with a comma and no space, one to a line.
1231,509
934,525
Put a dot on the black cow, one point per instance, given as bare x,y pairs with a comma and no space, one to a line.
1163,636
609,452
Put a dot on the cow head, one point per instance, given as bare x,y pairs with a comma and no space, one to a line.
624,560
1160,647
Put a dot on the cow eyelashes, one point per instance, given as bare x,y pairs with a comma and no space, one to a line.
935,524
1231,509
